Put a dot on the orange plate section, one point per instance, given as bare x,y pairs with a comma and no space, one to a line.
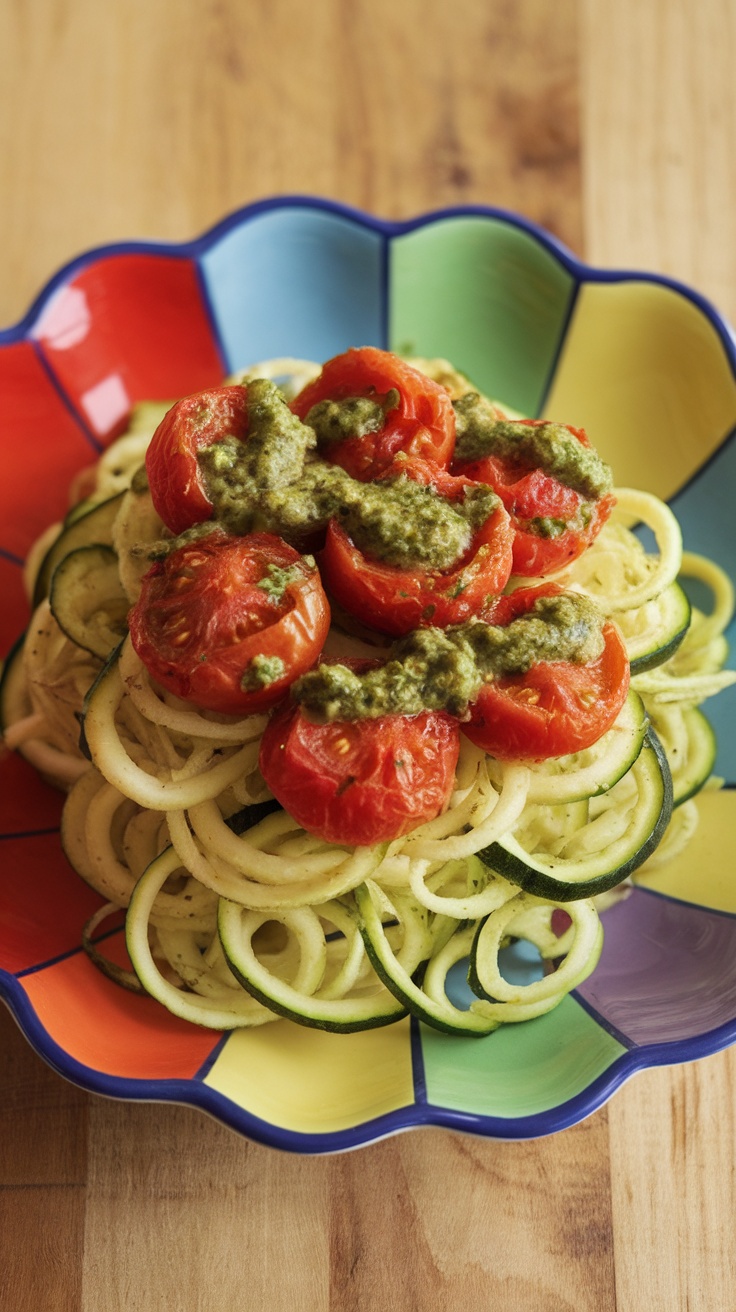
114,1032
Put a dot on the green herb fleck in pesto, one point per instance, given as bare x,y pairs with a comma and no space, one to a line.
354,416
552,447
262,672
436,669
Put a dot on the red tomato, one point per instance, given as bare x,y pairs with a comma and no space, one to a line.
201,619
533,494
557,707
422,424
362,782
396,600
174,477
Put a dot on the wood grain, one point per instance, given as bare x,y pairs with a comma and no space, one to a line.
132,119
613,123
673,1188
43,1178
659,131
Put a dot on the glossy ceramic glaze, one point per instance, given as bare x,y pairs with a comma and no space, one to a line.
646,366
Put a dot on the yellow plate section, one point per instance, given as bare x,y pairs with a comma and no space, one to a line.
705,872
643,370
312,1082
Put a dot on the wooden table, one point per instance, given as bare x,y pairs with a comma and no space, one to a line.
613,123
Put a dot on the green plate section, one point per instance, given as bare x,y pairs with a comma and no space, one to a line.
484,295
519,1069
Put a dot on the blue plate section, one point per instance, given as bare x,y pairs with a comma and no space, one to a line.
301,281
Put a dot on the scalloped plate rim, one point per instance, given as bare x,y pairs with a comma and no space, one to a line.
193,1092
387,228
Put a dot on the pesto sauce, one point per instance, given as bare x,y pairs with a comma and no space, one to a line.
280,487
272,456
551,447
354,416
277,579
261,672
444,669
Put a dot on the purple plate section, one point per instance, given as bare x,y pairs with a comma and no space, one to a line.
656,981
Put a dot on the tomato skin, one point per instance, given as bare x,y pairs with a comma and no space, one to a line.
174,477
421,425
557,707
362,782
531,494
395,600
207,591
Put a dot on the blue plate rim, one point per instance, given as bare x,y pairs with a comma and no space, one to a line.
418,1114
194,248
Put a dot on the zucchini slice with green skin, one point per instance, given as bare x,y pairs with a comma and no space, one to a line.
94,526
73,842
563,879
12,684
702,751
218,1013
576,962
674,623
607,762
344,1015
89,699
252,814
689,776
118,974
440,1015
87,601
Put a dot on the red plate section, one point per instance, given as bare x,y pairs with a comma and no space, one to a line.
44,446
27,804
43,903
129,328
14,612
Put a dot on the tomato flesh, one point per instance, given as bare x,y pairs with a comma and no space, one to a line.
362,782
202,618
421,425
557,707
533,494
395,600
174,477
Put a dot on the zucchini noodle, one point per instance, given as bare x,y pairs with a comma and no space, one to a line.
236,916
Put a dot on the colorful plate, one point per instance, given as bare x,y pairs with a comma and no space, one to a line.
647,366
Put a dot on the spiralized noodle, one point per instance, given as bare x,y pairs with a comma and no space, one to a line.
151,824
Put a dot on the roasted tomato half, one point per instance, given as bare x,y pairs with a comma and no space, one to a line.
396,600
557,707
553,524
363,781
230,622
174,477
412,413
